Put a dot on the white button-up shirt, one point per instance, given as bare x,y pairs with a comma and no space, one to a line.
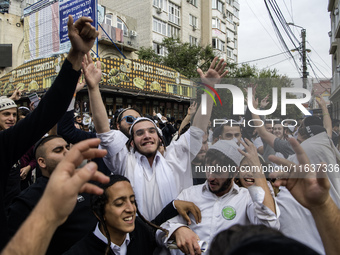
157,185
118,250
238,206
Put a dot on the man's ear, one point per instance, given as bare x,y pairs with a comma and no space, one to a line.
41,162
132,144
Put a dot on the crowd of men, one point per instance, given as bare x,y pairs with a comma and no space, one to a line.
157,189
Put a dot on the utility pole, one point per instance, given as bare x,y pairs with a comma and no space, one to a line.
304,58
302,49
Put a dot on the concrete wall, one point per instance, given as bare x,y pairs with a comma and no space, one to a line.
11,32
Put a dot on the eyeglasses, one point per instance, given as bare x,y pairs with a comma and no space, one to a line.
129,119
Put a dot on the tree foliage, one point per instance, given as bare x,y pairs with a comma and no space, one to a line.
182,57
186,58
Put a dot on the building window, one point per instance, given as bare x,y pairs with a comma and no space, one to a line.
158,49
108,19
217,4
216,23
192,20
159,26
159,4
230,16
174,14
235,43
193,2
193,40
229,52
218,44
173,31
121,24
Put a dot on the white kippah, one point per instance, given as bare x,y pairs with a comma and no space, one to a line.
6,103
139,119
228,148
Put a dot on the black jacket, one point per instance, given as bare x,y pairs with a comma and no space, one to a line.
16,140
142,242
80,222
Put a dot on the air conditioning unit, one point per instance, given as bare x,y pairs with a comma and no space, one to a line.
133,33
159,10
224,15
194,28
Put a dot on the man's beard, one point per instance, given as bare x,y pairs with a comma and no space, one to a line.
125,132
148,155
225,186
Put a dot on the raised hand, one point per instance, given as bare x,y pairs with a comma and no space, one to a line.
16,94
307,183
92,72
82,34
264,102
192,108
215,72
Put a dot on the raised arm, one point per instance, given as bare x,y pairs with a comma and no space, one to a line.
66,127
191,111
259,177
311,190
213,76
93,75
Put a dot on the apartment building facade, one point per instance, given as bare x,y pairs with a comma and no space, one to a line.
334,34
209,22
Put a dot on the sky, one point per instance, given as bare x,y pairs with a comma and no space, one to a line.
257,38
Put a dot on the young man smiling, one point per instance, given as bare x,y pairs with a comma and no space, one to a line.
156,179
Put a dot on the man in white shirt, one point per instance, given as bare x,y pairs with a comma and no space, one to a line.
221,201
156,179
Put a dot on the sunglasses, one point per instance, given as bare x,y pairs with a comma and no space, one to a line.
129,119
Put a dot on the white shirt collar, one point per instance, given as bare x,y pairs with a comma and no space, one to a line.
120,250
155,160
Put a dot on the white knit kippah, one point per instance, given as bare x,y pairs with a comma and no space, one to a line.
228,148
139,119
6,103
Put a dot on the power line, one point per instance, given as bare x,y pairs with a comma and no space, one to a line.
277,30
318,55
261,24
298,70
262,58
310,60
288,10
